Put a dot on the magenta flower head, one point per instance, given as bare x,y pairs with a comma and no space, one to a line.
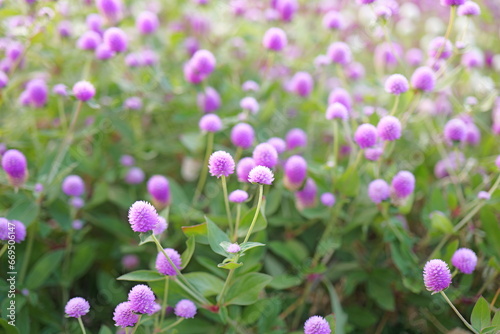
437,276
123,316
4,79
265,154
469,8
378,191
278,143
465,260
73,185
389,128
261,175
210,123
306,197
473,135
339,53
130,261
76,307
242,135
424,79
64,28
116,39
147,23
233,248
142,216
296,138
103,52
209,100
295,172
221,164
365,2
159,189
333,20
302,84
452,2
161,226
142,299
133,103
185,309
275,39
414,57
250,86
455,130
473,59
163,265
15,166
403,184
387,54
110,9
341,96
250,103
317,325
94,22
6,230
238,196
287,9
83,90
337,111
60,89
328,199
365,135
90,40
244,167
396,84
127,160
203,62
38,92
355,71
440,44
76,202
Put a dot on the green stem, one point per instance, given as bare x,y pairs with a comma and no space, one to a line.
324,236
259,203
238,153
27,255
81,325
226,203
458,313
236,226
4,248
336,143
137,324
203,175
396,104
453,10
178,321
164,303
226,284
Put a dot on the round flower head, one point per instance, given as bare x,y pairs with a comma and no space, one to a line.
116,39
396,84
473,59
76,202
278,143
365,2
221,164
4,79
147,23
243,168
365,135
130,261
423,79
73,185
37,92
238,196
295,172
265,154
469,8
373,153
355,71
103,52
76,307
159,189
437,276
210,123
111,9
142,299
403,184
64,29
484,195
161,226
133,103
251,86
287,9
142,216
233,248
83,90
414,57
90,40
341,96
339,53
302,84
455,130
4,228
209,101
163,265
337,111
440,44
306,197
333,20
328,199
473,135
296,138
275,39
465,260
242,135
60,89
389,128
15,166
250,103
15,227
317,325
94,22
127,160
191,75
261,175
77,224
203,62
185,309
378,191
452,2
123,316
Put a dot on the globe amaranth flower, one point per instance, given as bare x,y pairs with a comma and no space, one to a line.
469,8
185,309
286,9
242,135
233,248
472,134
210,123
328,199
472,59
437,275
127,160
103,52
76,307
116,39
366,135
423,79
161,226
396,84
15,166
337,111
295,169
278,143
142,299
261,175
339,53
333,20
124,316
220,164
147,23
73,185
159,189
37,93
265,154
142,216
94,22
209,100
465,260
452,2
440,44
355,71
341,96
389,128
296,138
317,325
302,84
112,10
378,191
133,103
163,265
275,39
12,227
77,224
250,103
374,153
4,79
306,197
83,90
414,57
203,62
76,202
403,184
130,261
238,196
250,85
89,40
455,130
244,167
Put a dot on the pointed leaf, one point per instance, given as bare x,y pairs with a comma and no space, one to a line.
215,237
246,289
188,253
480,317
142,276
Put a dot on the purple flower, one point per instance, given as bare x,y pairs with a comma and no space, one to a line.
452,2
133,103
373,153
423,79
378,191
296,138
244,167
341,96
76,202
210,123
142,216
455,130
396,84
242,135
306,197
203,62
286,9
337,111
465,260
355,71
365,135
302,84
414,56
328,199
295,172
76,307
317,325
111,9
77,224
403,184
469,8
185,309
163,265
389,128
250,103
484,195
64,28
261,175
4,79
250,85
127,160
147,23
233,248
90,40
278,143
265,154
339,53
333,20
94,22
209,101
73,185
238,196
83,90
161,226
116,39
103,52
437,276
15,227
142,299
37,93
123,316
440,44
473,59
60,89
221,164
130,261
159,189
15,166
473,135
275,39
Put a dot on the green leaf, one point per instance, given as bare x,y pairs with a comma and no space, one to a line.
246,221
188,253
142,276
292,251
82,259
105,330
480,317
496,319
25,211
441,223
246,289
200,232
285,281
8,329
207,284
215,237
249,245
490,330
229,265
45,266
348,183
146,237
